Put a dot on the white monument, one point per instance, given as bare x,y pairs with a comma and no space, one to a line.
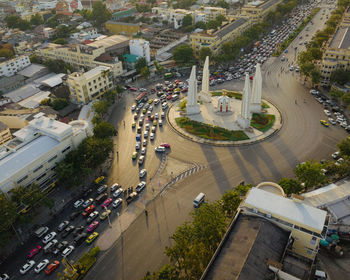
255,103
204,95
192,105
223,104
244,118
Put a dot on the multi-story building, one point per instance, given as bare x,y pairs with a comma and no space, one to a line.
11,67
126,28
90,85
80,56
46,5
212,12
31,156
48,32
140,48
337,51
5,134
214,40
123,13
257,10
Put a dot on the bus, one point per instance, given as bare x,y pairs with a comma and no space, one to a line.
168,75
140,97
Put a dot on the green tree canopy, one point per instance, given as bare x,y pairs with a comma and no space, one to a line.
340,76
187,21
53,21
140,63
230,202
204,52
100,14
310,174
59,103
145,72
183,54
36,19
104,130
290,186
62,31
100,107
223,4
201,25
60,41
344,147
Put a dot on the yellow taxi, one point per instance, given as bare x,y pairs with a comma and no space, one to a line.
92,237
150,101
104,215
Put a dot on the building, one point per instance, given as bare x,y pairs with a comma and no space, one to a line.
68,7
31,157
5,134
270,235
47,5
11,67
214,39
123,13
11,83
114,45
125,28
212,12
48,32
336,54
140,48
85,87
257,10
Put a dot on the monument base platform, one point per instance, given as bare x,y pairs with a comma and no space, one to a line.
255,108
193,109
243,122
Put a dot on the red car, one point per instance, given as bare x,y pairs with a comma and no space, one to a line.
133,89
165,145
184,90
169,97
51,267
107,202
92,226
34,251
88,210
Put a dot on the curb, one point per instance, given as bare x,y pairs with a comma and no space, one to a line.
230,144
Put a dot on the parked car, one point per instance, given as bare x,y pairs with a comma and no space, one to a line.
40,266
92,217
62,226
34,251
49,237
78,203
142,173
140,186
117,202
88,210
118,192
114,187
131,197
92,226
68,230
78,230
79,239
67,251
92,237
105,214
160,149
102,189
27,266
107,202
141,159
51,267
88,202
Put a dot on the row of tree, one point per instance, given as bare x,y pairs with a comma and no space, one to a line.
14,21
188,24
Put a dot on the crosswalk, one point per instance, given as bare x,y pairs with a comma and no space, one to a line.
188,172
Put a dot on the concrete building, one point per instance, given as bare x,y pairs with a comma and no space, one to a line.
213,39
5,134
140,48
257,10
270,235
124,28
90,85
123,13
47,5
31,157
212,12
11,67
114,45
48,32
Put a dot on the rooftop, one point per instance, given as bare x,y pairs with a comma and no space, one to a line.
231,26
22,93
268,4
110,41
244,253
95,71
3,126
341,38
291,211
53,81
31,70
34,100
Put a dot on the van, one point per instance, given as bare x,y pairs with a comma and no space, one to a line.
101,198
198,200
41,231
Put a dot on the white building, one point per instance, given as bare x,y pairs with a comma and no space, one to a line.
31,157
11,67
140,48
48,32
47,5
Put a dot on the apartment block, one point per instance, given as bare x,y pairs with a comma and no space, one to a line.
257,10
11,67
5,134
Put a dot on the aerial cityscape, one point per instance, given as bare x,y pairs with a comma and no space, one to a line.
175,140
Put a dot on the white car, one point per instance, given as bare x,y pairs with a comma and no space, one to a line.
156,116
335,155
78,203
4,277
160,149
117,202
67,251
118,192
133,107
160,122
137,146
145,134
144,142
49,237
328,114
147,127
164,105
41,265
26,267
332,121
162,115
114,187
143,172
88,202
151,136
156,101
143,150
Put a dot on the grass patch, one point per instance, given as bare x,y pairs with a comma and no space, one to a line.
208,131
264,105
262,122
231,94
182,105
216,93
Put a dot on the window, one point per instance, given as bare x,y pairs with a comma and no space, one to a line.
22,179
38,168
313,240
65,149
51,159
40,177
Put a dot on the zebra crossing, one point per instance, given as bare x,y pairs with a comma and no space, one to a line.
188,172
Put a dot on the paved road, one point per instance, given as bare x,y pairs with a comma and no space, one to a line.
141,246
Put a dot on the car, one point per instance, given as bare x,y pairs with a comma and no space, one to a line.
133,107
92,226
151,136
164,105
143,150
160,123
133,125
169,97
41,265
49,246
78,230
132,89
156,101
51,267
4,277
105,214
141,159
62,226
155,123
339,161
107,202
88,202
328,114
49,237
118,192
67,251
325,123
34,251
102,189
145,134
137,146
144,110
153,129
332,121
62,245
142,173
114,187
92,217
140,186
78,203
132,196
74,215
88,210
92,237
134,155
79,239
162,115
156,116
165,145
27,266
160,149
117,202
68,230
150,101
144,142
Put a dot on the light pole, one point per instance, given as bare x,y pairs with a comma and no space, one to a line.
119,223
109,221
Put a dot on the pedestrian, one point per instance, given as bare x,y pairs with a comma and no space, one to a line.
124,123
146,212
296,101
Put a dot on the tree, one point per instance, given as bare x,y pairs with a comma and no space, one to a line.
110,95
159,68
187,21
167,272
201,25
183,54
12,21
340,76
315,76
100,14
100,107
230,202
6,53
62,31
220,19
36,19
204,52
140,63
222,4
212,24
290,186
60,41
59,103
145,72
344,147
104,130
34,59
8,216
29,195
310,174
53,21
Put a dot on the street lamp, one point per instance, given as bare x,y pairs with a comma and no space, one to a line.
109,221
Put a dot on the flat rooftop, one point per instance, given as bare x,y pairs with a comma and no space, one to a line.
341,38
244,254
95,71
268,4
109,41
289,210
231,26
